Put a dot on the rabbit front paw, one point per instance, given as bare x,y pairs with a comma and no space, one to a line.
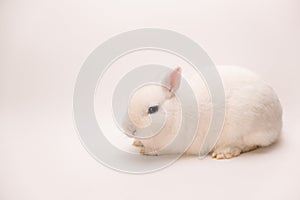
137,143
148,152
226,153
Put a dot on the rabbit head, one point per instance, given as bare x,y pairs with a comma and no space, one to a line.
153,108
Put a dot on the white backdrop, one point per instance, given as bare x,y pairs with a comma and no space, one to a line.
42,47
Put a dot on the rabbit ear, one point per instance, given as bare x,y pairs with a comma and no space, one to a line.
173,80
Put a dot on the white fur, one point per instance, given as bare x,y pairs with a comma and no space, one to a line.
253,114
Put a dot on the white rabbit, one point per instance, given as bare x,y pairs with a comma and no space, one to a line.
253,114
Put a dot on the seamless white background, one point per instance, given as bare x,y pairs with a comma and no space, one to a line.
42,47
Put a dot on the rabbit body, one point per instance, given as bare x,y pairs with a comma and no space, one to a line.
253,114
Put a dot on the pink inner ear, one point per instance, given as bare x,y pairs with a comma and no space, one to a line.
174,78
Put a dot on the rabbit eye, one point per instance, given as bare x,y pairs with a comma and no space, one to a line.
152,109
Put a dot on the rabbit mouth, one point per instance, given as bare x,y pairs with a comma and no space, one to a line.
130,134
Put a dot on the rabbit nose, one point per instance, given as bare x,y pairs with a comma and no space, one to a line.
131,128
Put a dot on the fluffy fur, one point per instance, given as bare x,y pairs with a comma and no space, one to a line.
253,114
